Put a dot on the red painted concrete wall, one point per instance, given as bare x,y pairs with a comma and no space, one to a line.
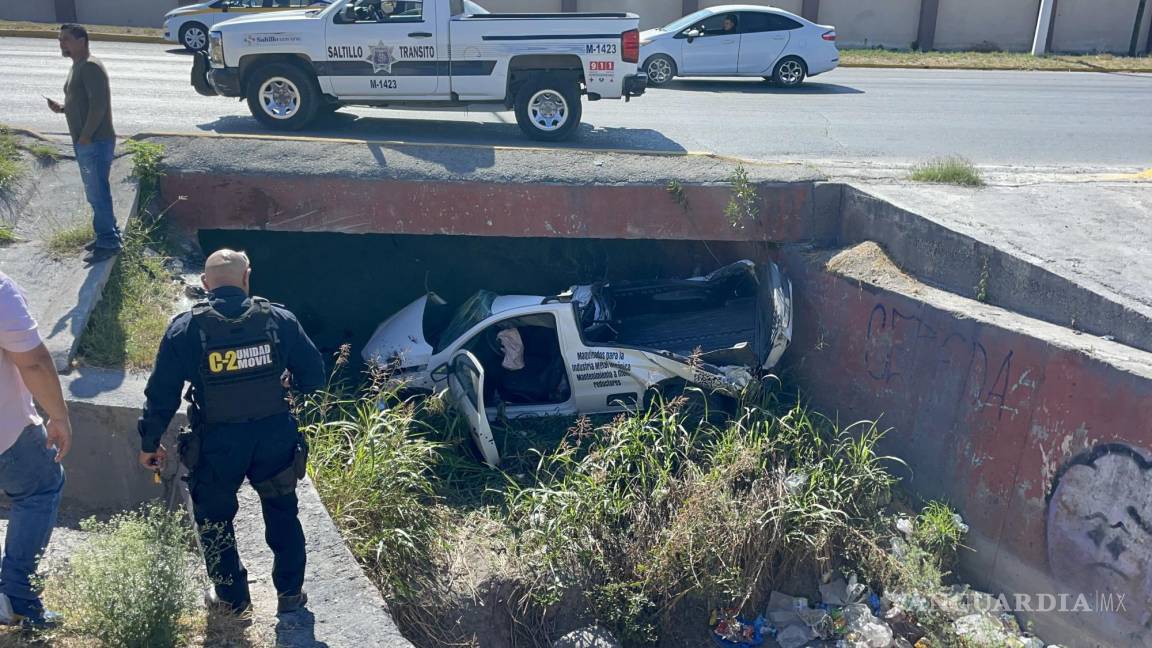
1044,450
483,209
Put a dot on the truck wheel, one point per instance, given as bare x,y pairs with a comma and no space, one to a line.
549,110
283,97
194,37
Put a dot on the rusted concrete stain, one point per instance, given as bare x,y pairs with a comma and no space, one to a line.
483,209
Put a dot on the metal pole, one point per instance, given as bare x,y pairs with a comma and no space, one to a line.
1043,22
1136,28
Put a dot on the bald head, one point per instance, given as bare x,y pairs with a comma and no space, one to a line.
226,268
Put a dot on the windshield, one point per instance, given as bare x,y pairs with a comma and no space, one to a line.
686,21
477,309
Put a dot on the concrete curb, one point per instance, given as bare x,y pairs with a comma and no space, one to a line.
96,36
132,38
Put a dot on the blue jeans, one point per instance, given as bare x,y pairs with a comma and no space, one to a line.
95,162
32,478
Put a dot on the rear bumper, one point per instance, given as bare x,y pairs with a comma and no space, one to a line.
635,85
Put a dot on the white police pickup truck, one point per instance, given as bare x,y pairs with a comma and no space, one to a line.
599,348
422,54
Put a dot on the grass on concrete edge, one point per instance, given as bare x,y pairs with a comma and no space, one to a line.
11,165
993,60
953,170
43,152
69,241
7,235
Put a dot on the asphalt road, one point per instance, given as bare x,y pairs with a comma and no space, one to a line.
1013,118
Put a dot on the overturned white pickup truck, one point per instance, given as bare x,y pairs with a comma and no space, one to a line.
425,55
595,349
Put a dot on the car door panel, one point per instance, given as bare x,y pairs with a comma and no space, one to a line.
714,52
764,38
395,58
466,394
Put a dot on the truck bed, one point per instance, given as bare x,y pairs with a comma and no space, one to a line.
709,330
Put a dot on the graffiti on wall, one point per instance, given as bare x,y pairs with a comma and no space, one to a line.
893,339
1099,534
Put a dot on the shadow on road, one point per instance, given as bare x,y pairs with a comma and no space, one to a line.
178,50
757,86
344,125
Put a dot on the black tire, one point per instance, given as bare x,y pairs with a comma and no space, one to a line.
565,117
660,69
298,104
789,72
195,32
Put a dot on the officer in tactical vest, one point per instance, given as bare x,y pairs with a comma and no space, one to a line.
240,355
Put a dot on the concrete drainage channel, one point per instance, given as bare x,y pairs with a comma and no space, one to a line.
1033,430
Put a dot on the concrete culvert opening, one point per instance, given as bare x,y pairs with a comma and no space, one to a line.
342,286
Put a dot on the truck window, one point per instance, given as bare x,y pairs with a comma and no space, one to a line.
382,11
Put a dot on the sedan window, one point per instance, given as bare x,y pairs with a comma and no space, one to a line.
761,21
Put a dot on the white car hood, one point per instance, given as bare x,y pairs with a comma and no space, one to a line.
400,337
187,9
273,20
651,34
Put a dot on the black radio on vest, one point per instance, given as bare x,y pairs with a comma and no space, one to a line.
242,367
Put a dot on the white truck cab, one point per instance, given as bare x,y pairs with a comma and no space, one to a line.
294,65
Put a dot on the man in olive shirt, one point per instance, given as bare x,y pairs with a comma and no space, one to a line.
88,108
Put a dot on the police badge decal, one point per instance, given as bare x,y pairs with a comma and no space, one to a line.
381,57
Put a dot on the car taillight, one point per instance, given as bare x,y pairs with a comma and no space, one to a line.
630,45
829,35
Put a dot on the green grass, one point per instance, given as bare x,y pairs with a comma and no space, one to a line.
11,165
994,60
7,235
953,170
126,327
742,207
43,152
93,29
134,584
69,241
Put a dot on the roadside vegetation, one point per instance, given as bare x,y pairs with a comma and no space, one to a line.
69,240
126,327
7,235
11,164
134,584
952,170
642,523
994,60
95,30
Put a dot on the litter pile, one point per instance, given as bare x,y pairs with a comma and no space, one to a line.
848,614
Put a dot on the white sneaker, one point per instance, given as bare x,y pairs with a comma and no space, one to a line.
7,616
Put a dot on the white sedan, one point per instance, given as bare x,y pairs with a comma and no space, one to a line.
739,40
189,25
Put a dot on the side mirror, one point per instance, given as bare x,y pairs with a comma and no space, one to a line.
440,374
692,34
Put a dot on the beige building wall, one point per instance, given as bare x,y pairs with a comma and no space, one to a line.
520,6
1096,25
653,13
872,23
129,13
787,5
992,24
34,10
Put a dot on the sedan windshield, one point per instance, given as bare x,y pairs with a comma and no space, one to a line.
477,309
686,21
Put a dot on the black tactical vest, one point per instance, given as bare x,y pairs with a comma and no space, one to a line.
241,367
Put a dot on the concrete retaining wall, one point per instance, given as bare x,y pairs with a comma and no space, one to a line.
987,24
891,24
1080,25
1041,438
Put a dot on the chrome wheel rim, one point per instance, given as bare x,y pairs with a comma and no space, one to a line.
548,110
791,72
195,38
280,98
659,70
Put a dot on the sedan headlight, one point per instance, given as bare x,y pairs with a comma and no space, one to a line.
216,49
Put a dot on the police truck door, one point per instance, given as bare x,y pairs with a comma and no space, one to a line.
466,393
377,49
